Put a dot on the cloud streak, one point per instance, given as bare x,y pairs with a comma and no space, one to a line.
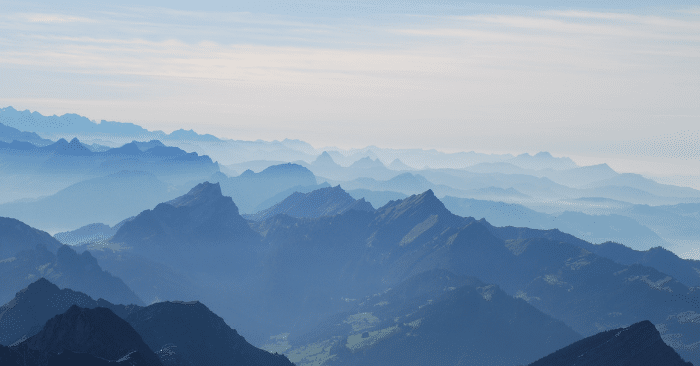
562,78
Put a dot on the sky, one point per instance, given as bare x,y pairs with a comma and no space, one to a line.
600,81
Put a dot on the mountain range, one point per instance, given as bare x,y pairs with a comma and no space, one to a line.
421,257
347,255
321,202
435,317
50,321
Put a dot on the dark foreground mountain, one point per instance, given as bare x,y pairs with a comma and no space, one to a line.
190,332
89,335
436,318
639,344
28,311
321,202
181,333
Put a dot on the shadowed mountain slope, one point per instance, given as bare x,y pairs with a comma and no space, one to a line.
437,317
686,271
306,268
322,202
639,344
28,311
98,332
91,336
192,333
201,220
66,268
355,252
181,333
376,198
16,236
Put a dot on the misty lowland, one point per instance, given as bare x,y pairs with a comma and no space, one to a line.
349,183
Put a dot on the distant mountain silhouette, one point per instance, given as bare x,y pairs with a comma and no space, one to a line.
73,148
10,134
638,182
90,233
593,228
498,167
417,157
125,193
279,197
74,124
254,165
367,163
190,135
16,236
325,161
542,160
639,344
496,193
574,177
146,145
397,164
406,183
376,198
325,166
438,317
250,189
582,176
30,172
322,202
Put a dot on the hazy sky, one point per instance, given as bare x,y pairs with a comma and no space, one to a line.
599,80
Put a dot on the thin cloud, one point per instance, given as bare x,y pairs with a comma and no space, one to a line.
56,18
464,76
